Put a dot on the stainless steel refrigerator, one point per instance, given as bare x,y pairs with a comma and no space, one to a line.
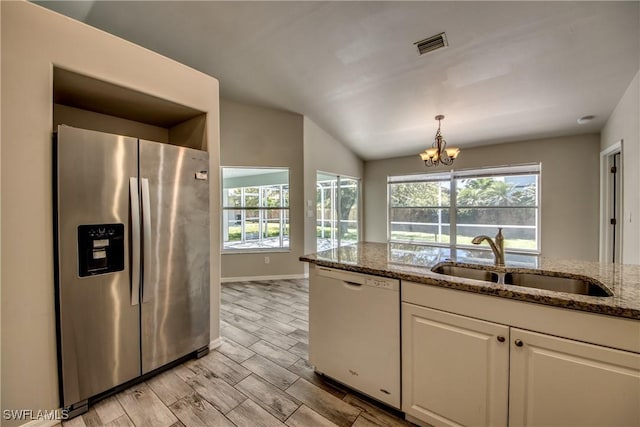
132,259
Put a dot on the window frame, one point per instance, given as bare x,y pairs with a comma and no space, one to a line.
337,207
419,178
452,177
282,209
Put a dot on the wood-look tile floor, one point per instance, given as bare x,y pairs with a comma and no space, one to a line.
258,376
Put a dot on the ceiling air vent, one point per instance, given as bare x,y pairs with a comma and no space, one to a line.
431,44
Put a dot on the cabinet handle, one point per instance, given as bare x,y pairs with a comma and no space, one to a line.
501,338
518,343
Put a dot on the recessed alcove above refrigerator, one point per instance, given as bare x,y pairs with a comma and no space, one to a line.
89,103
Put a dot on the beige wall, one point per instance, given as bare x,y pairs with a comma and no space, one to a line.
257,136
33,41
624,124
1,361
569,189
65,115
323,153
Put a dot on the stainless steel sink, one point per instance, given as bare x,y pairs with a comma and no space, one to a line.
466,272
557,284
533,279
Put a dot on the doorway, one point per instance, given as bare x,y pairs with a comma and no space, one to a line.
338,211
611,204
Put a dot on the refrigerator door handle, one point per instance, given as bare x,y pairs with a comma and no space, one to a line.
135,241
146,236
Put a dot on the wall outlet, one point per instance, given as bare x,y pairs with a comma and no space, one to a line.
266,260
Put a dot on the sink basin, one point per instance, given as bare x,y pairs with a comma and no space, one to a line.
558,284
466,272
533,279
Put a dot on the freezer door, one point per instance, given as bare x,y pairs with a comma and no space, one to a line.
175,285
99,328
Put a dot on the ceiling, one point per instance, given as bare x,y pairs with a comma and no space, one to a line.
512,70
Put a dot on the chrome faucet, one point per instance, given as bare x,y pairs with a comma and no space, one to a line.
497,248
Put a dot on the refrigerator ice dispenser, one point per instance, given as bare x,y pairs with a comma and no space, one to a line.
100,249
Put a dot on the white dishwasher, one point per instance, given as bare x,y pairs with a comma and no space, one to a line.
354,331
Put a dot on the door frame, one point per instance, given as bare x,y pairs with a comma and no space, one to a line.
606,180
336,208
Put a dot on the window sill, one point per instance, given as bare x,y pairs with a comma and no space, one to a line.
253,251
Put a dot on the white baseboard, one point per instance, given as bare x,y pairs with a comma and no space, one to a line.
252,278
215,343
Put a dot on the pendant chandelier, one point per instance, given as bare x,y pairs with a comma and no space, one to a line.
439,153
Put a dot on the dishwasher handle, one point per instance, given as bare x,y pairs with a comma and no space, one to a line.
355,281
352,285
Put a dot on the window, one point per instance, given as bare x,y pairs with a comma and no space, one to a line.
337,211
255,208
484,203
419,208
449,209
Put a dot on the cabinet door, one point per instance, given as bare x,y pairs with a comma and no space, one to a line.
455,368
560,382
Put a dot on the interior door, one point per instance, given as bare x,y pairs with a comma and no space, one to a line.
616,208
98,318
175,284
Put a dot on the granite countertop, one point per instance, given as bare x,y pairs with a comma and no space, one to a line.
414,263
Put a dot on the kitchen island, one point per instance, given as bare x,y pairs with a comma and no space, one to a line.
397,262
475,352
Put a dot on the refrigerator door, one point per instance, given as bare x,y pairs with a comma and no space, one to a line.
175,289
99,343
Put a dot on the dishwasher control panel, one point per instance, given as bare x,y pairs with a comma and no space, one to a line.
380,282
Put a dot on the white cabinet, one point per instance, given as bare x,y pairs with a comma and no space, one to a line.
555,381
455,369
